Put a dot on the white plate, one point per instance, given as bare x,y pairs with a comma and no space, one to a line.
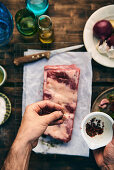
90,41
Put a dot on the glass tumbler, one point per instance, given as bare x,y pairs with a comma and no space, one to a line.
46,33
6,25
38,7
26,22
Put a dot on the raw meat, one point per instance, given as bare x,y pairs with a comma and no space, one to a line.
60,86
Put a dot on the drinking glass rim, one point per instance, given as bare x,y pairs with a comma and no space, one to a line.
5,75
6,9
21,12
46,16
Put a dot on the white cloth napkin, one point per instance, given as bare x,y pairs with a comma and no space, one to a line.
33,91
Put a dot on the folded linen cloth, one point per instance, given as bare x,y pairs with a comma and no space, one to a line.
33,92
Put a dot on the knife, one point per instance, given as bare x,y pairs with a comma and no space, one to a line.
46,54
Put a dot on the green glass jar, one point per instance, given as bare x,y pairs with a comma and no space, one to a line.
26,22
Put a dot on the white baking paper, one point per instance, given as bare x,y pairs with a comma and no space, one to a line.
33,92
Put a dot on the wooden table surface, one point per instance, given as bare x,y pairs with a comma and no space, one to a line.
69,18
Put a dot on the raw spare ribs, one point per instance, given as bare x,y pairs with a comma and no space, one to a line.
60,86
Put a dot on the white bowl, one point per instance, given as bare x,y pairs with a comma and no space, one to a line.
90,41
102,139
5,75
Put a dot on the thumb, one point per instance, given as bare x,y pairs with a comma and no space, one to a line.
52,116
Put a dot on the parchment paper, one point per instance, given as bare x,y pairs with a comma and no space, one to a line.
33,91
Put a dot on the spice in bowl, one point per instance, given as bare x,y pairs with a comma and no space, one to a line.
94,127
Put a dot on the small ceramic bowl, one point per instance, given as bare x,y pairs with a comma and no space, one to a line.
3,75
100,140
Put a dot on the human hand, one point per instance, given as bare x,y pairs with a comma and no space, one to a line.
34,123
105,156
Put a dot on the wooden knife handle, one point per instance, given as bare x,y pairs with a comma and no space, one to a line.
31,58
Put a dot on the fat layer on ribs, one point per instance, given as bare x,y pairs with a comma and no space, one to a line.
61,86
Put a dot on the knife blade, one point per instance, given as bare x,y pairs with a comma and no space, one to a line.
46,54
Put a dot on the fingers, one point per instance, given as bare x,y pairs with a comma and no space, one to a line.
50,104
58,122
42,104
98,154
33,107
48,111
53,117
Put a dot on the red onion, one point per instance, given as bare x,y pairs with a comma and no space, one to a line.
110,41
102,29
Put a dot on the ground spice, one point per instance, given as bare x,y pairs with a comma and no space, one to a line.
94,127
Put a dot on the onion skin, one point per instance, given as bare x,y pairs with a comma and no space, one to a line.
103,29
110,41
112,22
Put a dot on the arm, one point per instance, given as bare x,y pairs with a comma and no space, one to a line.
105,156
32,127
18,157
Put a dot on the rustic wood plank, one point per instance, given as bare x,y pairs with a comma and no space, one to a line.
69,18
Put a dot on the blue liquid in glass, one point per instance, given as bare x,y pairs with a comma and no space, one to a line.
38,7
4,31
6,25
